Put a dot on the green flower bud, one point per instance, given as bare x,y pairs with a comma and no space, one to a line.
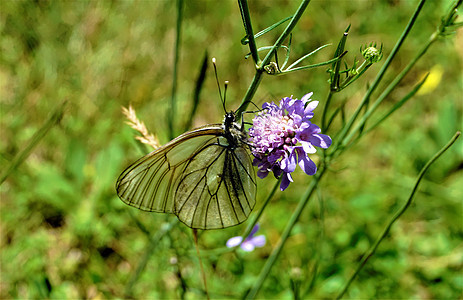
372,54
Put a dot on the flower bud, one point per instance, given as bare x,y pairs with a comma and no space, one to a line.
372,54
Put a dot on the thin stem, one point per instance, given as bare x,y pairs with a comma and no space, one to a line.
387,91
325,110
152,243
203,274
260,67
307,55
259,214
245,15
397,215
380,75
36,138
173,100
250,93
285,235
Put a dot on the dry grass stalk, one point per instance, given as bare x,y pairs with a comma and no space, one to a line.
146,137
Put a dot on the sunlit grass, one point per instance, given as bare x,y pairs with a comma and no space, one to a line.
64,232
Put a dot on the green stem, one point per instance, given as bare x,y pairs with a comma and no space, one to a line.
36,138
325,110
286,32
285,235
260,67
379,77
259,214
245,15
173,100
397,215
152,243
250,93
387,91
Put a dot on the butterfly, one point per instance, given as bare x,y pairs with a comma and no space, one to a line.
204,176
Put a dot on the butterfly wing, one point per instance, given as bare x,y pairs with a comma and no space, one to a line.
150,183
198,176
218,188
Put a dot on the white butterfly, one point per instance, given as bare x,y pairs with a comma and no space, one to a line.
204,176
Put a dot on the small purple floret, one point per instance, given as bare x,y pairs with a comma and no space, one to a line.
249,243
282,137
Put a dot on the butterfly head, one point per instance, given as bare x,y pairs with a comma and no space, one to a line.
229,120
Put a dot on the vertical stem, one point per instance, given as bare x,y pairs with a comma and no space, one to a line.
249,93
244,9
285,235
203,274
173,100
325,110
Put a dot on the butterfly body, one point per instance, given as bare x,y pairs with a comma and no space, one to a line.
205,177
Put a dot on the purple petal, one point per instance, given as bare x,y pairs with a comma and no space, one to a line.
247,246
289,164
276,171
262,173
285,181
253,231
258,241
310,107
234,241
320,140
306,97
306,164
308,147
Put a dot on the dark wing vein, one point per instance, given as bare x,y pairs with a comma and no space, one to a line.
149,183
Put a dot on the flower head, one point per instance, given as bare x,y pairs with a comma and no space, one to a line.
249,243
372,54
283,135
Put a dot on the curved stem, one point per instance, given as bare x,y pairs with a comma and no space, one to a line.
397,215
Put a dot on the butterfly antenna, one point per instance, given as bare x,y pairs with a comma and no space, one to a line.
218,84
225,94
258,109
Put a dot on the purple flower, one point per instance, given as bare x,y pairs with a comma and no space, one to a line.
249,243
282,137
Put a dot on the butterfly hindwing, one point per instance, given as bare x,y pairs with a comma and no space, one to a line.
216,191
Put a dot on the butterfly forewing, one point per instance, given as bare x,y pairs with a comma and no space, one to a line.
149,183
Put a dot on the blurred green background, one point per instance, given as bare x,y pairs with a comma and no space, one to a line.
65,233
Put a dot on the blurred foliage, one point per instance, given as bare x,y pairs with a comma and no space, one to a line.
65,233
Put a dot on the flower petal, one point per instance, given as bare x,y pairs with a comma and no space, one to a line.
289,163
253,231
306,97
306,164
285,181
247,246
308,147
234,241
320,140
258,241
310,107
